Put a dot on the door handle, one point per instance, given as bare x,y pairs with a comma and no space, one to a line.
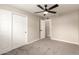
25,32
40,30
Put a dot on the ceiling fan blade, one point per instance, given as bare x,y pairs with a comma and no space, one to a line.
40,7
52,12
39,12
56,5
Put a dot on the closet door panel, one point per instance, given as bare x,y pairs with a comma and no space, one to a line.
19,30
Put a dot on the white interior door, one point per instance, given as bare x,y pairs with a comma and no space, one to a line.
5,31
19,30
42,29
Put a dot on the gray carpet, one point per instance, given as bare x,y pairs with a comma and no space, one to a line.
46,47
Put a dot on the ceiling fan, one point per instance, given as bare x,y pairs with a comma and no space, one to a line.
45,10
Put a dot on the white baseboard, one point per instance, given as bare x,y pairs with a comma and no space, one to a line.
32,41
64,41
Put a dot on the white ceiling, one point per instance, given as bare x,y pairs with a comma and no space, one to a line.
63,8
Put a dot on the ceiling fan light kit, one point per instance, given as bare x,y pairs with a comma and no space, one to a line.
47,10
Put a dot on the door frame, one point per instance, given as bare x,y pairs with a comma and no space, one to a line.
40,29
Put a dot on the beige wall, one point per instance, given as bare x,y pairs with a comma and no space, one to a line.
33,28
65,28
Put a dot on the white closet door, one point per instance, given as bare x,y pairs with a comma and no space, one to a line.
5,31
19,30
42,29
